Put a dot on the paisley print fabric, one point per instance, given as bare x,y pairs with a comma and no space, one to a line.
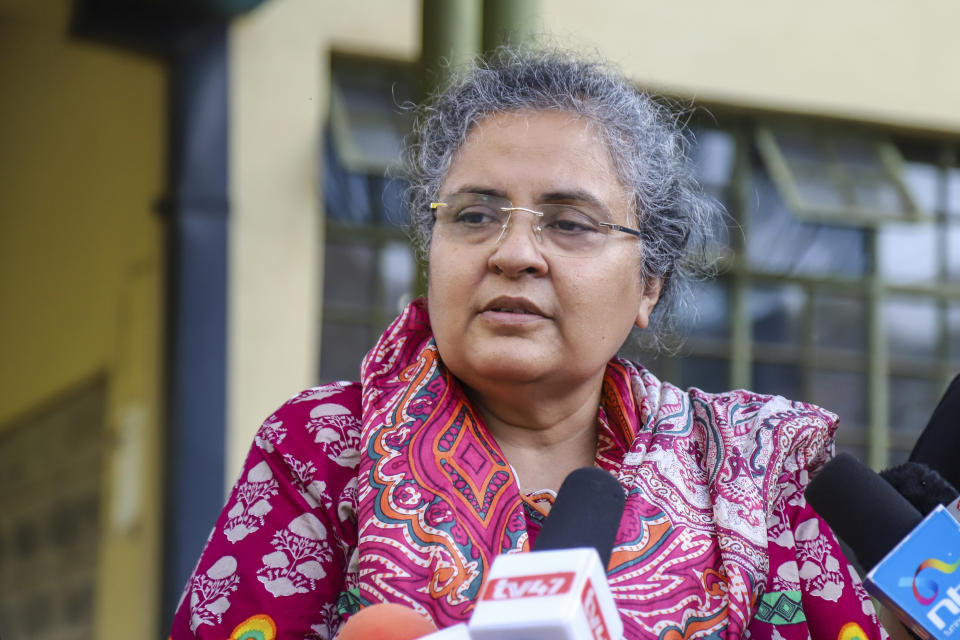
393,490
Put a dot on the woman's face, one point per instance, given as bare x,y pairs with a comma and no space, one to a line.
507,312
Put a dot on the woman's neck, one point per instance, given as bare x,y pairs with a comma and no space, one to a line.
543,439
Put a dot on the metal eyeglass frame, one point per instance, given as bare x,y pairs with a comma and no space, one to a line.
537,228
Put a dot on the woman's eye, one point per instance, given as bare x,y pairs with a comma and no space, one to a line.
476,217
573,223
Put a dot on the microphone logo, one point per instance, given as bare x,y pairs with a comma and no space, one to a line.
930,563
536,586
949,605
591,607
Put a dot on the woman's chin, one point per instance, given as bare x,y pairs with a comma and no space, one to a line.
502,369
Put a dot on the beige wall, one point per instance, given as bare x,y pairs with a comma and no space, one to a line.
888,61
81,264
279,59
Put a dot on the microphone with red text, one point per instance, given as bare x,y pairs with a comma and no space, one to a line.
913,561
559,591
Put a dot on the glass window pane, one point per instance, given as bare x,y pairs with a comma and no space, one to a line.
839,322
341,350
872,195
707,315
908,253
818,190
844,393
397,268
834,173
346,195
953,252
713,154
348,274
375,133
831,251
778,242
911,325
394,211
709,374
799,147
912,401
776,314
368,123
857,152
953,193
953,332
778,379
923,180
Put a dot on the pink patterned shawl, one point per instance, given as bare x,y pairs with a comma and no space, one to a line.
702,474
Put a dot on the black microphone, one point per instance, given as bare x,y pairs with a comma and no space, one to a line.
923,487
861,507
586,513
939,443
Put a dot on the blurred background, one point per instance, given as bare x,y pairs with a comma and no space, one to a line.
198,218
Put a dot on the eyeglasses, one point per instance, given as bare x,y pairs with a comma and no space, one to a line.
561,229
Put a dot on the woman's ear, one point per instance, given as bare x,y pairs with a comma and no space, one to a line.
651,294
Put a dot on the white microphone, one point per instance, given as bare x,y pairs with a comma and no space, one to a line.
547,595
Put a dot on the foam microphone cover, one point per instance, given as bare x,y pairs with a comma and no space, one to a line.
586,513
861,507
386,621
923,487
939,443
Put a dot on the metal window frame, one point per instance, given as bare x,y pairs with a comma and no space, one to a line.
379,233
890,171
875,362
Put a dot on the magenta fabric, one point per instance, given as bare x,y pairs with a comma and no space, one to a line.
393,490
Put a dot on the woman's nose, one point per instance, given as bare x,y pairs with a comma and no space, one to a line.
518,248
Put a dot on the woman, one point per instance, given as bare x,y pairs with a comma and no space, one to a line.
556,205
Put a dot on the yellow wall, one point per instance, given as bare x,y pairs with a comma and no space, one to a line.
888,62
81,264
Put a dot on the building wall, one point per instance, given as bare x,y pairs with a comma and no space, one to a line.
887,62
81,272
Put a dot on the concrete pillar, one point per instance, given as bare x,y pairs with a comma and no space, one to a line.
509,22
450,37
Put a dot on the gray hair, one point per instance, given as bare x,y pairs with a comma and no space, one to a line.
645,139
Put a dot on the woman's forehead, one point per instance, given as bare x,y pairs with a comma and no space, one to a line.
530,121
537,153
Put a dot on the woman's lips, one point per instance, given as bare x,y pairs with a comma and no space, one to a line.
510,317
512,311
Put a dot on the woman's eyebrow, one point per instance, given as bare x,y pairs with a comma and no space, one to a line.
577,195
483,191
